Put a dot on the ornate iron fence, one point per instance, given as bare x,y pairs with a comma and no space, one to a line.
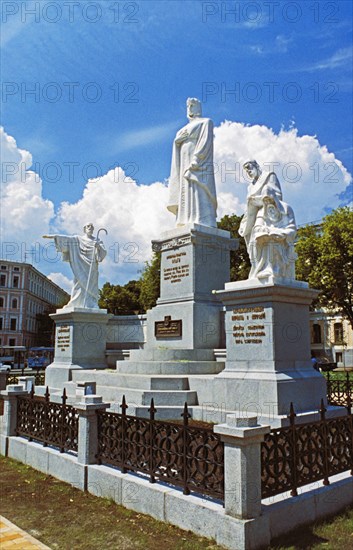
301,454
340,391
186,456
39,377
54,424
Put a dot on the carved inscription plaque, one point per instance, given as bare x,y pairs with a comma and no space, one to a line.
249,325
63,337
168,328
178,270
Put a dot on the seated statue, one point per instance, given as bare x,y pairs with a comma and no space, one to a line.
268,226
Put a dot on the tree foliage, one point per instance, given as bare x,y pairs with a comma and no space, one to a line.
121,300
150,282
239,259
325,260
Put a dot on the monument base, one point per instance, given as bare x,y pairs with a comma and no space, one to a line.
80,343
268,363
194,261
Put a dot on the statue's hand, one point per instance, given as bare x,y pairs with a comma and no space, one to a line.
181,136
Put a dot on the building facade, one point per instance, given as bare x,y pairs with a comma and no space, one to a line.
331,337
24,294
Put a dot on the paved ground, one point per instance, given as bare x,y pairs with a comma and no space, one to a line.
12,537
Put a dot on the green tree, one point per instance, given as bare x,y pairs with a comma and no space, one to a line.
239,259
325,260
150,282
121,300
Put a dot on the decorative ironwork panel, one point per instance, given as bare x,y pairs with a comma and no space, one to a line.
340,444
340,392
205,459
188,457
301,454
50,423
39,377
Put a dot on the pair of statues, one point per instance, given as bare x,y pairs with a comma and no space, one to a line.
268,225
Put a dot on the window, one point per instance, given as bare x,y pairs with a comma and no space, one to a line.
2,280
3,267
1,323
13,324
316,334
14,303
1,302
16,269
12,341
15,281
339,357
338,333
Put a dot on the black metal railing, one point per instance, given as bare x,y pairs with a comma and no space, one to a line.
301,454
340,390
187,456
54,424
39,376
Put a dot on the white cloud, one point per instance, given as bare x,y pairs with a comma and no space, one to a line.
134,214
25,214
144,136
341,58
61,280
311,176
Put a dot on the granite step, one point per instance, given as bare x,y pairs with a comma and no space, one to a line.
170,367
136,397
133,381
171,354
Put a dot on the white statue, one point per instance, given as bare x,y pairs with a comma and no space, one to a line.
192,191
83,252
268,226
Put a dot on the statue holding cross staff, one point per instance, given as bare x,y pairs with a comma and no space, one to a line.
83,252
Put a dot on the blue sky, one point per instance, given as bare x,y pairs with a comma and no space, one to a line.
111,80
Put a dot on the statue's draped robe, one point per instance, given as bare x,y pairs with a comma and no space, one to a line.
83,254
192,191
270,242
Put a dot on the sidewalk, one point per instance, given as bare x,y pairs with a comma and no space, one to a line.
12,537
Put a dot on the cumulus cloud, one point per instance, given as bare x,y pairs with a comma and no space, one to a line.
132,214
311,177
25,214
61,280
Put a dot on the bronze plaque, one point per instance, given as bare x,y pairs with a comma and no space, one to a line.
168,328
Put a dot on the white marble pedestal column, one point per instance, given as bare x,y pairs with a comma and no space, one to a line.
268,362
80,343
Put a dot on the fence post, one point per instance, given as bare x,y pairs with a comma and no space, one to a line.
242,439
88,428
9,418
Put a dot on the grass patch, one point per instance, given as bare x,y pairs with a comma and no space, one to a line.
341,375
66,518
333,534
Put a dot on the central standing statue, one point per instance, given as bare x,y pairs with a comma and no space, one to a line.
192,190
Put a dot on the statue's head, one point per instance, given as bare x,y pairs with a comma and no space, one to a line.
194,108
252,168
88,228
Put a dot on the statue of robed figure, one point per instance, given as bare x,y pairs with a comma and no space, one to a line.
192,191
83,252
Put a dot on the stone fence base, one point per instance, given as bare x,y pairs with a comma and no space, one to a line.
204,517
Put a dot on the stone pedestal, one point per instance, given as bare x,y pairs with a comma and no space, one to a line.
80,343
195,261
268,362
